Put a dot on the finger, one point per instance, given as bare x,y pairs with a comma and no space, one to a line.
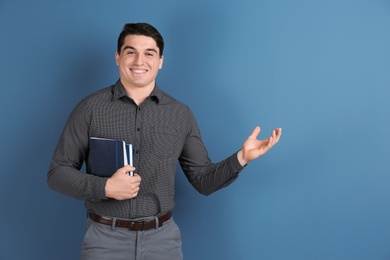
128,168
136,177
134,193
278,134
271,141
275,137
125,169
255,132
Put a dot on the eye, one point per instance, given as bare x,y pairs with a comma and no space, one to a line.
149,54
131,52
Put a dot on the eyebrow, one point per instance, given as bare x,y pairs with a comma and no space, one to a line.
132,48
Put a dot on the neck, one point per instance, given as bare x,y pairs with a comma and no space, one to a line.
138,94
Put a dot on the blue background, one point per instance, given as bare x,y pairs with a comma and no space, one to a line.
319,69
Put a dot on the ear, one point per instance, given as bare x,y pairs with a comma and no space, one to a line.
117,58
161,62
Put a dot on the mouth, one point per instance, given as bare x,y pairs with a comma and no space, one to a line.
138,71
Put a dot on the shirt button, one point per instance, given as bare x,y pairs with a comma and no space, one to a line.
138,129
136,151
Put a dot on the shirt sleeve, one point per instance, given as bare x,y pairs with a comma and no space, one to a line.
64,173
204,175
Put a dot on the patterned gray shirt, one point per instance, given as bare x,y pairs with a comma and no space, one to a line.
163,132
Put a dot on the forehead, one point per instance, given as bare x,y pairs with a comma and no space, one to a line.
140,42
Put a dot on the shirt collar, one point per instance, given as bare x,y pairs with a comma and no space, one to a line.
119,92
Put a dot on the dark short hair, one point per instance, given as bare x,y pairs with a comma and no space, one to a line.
141,29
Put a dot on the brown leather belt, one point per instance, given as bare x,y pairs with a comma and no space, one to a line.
134,225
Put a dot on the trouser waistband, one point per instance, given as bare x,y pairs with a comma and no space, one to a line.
134,225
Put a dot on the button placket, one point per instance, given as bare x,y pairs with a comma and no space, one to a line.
138,128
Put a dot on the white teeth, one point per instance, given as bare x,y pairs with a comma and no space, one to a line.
138,71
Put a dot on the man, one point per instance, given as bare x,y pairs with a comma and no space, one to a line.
130,217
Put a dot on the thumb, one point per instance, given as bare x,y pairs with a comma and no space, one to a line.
255,132
127,168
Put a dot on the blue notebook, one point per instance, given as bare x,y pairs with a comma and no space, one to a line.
108,155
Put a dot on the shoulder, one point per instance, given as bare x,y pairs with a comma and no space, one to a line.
97,98
104,94
177,109
93,101
166,99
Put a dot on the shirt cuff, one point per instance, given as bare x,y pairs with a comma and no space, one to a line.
99,191
235,164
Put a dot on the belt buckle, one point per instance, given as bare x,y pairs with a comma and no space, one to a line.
138,222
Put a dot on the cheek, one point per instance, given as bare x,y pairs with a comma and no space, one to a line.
124,62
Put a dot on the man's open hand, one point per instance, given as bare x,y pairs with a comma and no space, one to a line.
253,148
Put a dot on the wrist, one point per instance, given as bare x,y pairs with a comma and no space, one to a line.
106,189
241,159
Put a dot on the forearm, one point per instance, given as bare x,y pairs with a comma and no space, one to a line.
211,177
71,182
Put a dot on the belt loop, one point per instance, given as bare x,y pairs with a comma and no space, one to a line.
113,224
157,222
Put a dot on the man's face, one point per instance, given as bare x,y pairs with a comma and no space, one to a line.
139,61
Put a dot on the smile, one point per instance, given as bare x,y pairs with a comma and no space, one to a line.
138,71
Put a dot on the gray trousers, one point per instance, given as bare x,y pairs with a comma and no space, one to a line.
102,242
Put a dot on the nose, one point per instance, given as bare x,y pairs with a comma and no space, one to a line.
138,59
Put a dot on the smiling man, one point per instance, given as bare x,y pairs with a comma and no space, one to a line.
130,217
